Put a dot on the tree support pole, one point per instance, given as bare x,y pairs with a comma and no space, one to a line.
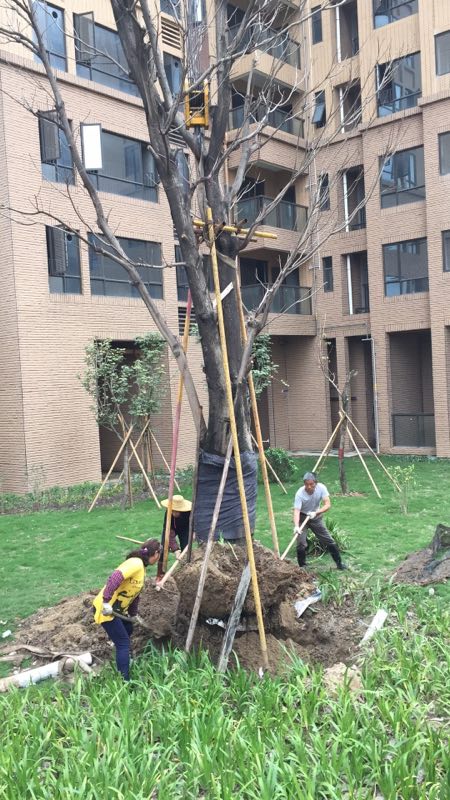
235,440
350,436
111,468
144,474
163,458
325,450
374,454
268,464
233,621
175,436
138,441
254,405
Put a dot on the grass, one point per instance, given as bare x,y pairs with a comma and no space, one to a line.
187,732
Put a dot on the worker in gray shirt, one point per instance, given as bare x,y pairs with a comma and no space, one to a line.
311,502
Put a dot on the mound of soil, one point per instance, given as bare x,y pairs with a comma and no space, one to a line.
325,633
430,565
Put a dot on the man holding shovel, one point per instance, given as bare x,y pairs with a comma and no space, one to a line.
311,502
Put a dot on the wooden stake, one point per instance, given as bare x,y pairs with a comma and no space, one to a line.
163,457
144,474
271,468
374,454
254,406
138,441
127,539
175,437
111,468
326,449
294,538
234,436
173,568
233,621
350,436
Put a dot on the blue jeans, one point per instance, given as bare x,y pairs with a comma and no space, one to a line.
120,632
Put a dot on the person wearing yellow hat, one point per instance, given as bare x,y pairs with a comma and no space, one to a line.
179,527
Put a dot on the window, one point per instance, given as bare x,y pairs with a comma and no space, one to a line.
402,178
320,114
398,84
174,72
446,250
327,266
444,153
56,158
99,55
324,192
442,45
387,11
405,267
128,168
50,21
316,24
109,278
172,8
354,198
63,256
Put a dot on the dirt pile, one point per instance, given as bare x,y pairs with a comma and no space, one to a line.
324,634
430,565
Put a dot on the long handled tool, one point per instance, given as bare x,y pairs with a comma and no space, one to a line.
126,618
294,538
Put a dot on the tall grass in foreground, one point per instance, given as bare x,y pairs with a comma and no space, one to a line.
187,732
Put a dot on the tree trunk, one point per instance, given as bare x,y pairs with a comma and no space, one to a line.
126,482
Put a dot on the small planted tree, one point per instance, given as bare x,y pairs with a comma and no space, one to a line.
147,377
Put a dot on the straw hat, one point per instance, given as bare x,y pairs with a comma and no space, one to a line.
178,503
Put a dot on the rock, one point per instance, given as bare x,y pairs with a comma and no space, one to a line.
339,675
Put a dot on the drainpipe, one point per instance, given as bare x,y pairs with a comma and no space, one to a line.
349,285
341,109
375,390
345,187
338,34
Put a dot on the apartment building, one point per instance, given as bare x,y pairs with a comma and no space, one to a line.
377,73
382,68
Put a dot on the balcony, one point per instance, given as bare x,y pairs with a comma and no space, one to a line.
288,299
288,216
280,119
413,430
275,43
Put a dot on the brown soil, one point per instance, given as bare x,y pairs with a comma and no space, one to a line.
324,634
420,568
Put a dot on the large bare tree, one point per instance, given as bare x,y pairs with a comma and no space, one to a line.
191,163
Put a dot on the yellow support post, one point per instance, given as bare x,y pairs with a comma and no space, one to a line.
198,223
234,435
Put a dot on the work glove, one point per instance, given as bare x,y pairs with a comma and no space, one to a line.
107,609
312,514
297,529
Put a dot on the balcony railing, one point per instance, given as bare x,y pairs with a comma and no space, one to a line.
283,120
286,215
276,43
413,430
288,299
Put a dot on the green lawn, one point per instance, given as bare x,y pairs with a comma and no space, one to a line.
187,733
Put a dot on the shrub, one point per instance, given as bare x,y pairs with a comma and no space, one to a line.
339,536
406,481
281,462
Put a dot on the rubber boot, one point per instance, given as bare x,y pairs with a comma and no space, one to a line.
301,556
336,556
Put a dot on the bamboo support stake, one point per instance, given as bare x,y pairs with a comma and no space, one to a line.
254,406
374,454
350,436
271,468
144,474
127,539
294,538
163,458
234,435
175,436
172,569
237,230
111,468
138,441
325,450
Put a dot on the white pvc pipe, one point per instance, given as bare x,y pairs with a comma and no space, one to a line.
29,676
349,284
376,624
341,109
345,188
338,34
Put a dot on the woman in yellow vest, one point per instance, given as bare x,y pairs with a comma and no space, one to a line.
121,595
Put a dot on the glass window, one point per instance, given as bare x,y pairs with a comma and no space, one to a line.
128,168
444,153
387,11
319,115
442,45
56,158
324,192
50,21
327,266
63,257
110,278
174,71
405,267
316,24
402,178
398,84
446,250
99,55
